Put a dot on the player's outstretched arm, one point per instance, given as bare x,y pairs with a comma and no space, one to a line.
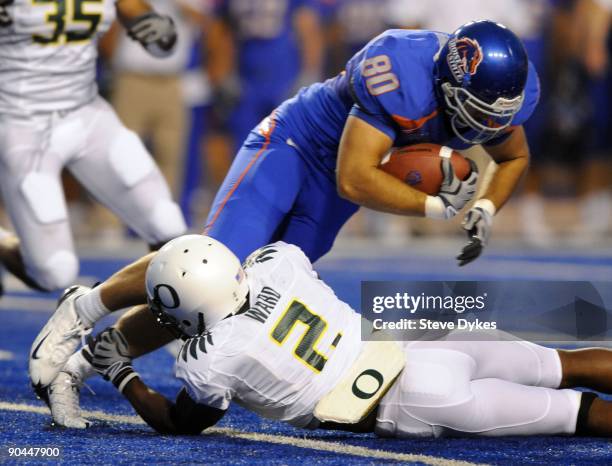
184,417
359,179
111,359
308,29
155,32
512,157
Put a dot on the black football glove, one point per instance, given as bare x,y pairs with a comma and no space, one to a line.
111,358
477,223
225,98
5,17
156,33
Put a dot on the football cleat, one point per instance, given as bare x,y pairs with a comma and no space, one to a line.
64,402
57,341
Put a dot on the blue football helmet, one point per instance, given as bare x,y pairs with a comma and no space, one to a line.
481,74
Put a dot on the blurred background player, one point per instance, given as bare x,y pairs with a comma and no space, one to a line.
51,118
151,99
260,53
348,26
589,54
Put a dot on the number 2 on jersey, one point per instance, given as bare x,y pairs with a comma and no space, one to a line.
62,10
305,349
380,79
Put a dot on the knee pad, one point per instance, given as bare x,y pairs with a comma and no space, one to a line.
129,158
436,377
166,221
59,271
45,197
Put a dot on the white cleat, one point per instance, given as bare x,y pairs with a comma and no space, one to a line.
64,402
57,341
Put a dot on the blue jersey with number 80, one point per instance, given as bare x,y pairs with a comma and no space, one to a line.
389,84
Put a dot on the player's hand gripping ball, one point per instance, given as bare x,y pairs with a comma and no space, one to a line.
437,171
420,166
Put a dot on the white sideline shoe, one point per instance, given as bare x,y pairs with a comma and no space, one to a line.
64,402
57,341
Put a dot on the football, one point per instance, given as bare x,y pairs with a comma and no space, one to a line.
419,165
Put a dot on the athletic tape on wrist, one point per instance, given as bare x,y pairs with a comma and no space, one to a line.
434,208
486,205
126,374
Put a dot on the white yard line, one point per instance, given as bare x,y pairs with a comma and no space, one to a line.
6,355
312,444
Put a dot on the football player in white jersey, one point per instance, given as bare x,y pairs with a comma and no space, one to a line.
51,118
274,338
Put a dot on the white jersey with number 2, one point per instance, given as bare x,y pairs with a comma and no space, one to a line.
48,55
282,355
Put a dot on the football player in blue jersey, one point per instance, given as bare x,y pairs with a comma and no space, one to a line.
260,53
305,170
349,25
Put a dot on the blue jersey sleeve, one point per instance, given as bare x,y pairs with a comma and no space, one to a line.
374,117
391,81
368,100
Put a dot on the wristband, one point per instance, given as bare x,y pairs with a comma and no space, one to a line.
435,208
122,378
486,205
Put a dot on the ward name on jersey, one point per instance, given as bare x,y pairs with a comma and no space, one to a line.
48,54
285,352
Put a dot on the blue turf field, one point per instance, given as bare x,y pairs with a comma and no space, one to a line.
243,438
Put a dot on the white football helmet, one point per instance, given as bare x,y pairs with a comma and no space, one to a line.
193,282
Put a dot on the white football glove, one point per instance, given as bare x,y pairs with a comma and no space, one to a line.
111,358
155,32
477,223
454,194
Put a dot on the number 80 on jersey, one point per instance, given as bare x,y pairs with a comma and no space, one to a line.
380,79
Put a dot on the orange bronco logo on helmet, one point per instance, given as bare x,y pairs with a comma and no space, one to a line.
464,57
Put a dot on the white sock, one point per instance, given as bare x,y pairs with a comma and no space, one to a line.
79,366
90,307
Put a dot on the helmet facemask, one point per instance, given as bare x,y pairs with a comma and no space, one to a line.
183,330
193,283
467,112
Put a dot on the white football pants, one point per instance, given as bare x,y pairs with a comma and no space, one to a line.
108,160
456,386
